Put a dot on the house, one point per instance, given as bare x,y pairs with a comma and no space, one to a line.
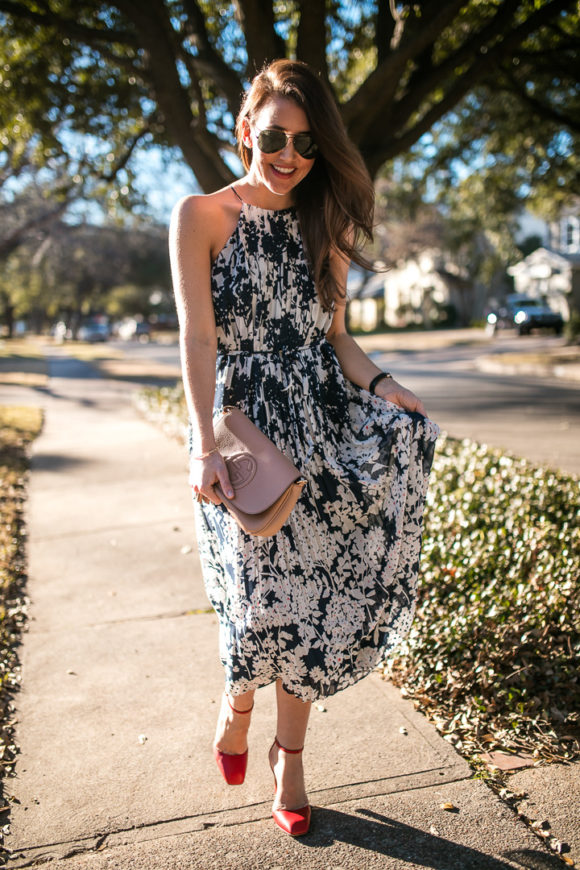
426,290
552,272
366,298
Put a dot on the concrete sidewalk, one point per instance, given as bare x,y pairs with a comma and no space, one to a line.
122,683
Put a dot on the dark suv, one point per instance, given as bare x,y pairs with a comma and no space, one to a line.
524,314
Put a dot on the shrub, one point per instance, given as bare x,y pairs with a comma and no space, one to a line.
492,656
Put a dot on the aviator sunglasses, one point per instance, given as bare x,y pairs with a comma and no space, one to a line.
270,141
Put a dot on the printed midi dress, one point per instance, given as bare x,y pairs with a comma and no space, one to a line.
320,603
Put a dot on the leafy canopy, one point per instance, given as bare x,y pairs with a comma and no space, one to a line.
86,85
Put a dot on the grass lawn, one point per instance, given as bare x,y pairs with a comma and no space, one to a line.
22,363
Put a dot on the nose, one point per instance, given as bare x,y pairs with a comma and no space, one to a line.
288,149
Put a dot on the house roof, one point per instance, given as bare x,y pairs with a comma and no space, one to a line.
545,257
373,288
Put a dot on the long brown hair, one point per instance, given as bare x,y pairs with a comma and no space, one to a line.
335,201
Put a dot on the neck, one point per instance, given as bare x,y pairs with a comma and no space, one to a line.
254,192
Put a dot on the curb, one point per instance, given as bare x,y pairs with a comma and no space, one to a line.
493,365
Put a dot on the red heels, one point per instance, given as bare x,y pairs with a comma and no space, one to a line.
233,767
293,822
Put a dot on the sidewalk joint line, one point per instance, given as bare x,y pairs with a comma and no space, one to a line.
103,838
106,529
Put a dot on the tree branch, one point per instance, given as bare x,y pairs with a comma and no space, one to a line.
384,30
17,237
87,35
127,154
199,147
461,85
381,85
539,107
207,60
311,42
421,85
376,156
262,41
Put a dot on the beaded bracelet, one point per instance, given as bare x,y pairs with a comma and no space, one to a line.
376,379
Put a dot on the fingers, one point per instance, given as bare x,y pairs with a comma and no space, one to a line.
406,399
211,495
225,484
206,495
414,405
208,474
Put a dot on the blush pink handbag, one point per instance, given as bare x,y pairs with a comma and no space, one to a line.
266,483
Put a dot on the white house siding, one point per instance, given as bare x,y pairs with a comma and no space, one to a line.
544,274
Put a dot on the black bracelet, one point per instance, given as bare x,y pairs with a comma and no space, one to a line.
376,379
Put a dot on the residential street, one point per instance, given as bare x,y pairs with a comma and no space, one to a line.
524,414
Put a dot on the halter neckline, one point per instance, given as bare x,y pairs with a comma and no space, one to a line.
259,207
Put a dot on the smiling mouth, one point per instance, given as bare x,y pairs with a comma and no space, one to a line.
283,170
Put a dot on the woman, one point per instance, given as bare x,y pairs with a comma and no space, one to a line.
260,272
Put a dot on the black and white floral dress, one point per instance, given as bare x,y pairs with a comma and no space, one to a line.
320,603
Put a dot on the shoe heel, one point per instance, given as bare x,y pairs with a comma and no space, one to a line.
293,822
233,767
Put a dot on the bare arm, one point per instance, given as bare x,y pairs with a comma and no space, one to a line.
190,251
356,365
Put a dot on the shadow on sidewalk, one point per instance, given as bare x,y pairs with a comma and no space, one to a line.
56,462
382,835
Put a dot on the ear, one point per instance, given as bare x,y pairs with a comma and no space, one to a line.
246,133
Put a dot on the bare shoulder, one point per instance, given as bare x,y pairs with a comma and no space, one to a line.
209,216
195,208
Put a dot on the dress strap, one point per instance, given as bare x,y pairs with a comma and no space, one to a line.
233,189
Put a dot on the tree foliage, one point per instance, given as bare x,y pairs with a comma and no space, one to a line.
90,83
78,270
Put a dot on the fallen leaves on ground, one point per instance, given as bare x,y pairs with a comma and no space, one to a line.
18,427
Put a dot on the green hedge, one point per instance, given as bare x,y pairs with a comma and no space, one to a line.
493,655
18,428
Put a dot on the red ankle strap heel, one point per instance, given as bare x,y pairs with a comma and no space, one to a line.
241,712
233,767
293,822
289,751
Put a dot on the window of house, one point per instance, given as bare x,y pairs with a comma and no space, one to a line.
570,235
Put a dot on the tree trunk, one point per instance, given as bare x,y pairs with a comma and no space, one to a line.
199,147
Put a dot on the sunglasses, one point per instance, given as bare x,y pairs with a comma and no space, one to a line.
270,141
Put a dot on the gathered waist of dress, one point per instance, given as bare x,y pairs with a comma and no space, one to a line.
246,348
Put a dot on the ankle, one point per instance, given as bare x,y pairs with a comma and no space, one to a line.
287,749
239,709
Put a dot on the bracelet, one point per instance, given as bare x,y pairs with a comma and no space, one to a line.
205,455
376,379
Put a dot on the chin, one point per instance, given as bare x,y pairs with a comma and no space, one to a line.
282,186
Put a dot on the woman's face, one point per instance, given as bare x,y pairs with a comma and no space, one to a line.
282,170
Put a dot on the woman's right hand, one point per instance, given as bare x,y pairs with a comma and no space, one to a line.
205,473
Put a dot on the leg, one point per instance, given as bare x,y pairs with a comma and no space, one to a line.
231,736
287,767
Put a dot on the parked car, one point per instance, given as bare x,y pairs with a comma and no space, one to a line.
524,314
131,329
94,331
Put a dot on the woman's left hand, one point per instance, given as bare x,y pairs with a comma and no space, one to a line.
391,391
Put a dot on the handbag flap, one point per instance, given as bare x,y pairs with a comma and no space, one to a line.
259,472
